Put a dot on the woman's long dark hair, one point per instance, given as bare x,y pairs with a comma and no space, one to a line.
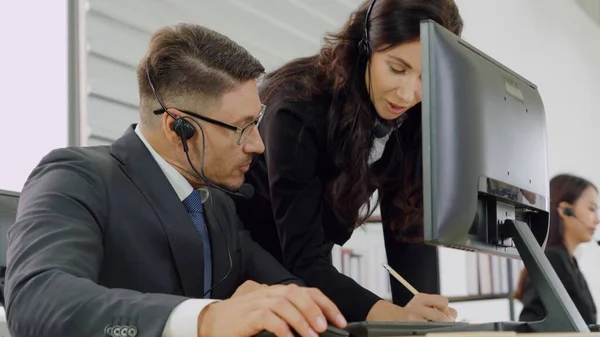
337,75
563,188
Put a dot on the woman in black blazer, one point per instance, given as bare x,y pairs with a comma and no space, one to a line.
329,147
573,220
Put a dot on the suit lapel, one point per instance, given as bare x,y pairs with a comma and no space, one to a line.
186,245
220,256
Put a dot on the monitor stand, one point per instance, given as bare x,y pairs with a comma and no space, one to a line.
562,315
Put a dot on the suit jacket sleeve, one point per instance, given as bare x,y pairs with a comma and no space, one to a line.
262,267
296,193
54,255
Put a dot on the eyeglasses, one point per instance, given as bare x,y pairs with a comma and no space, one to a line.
243,132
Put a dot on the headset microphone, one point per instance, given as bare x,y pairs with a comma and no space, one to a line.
380,130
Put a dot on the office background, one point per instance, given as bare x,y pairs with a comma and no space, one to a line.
68,78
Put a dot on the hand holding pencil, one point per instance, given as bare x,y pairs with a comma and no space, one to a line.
425,307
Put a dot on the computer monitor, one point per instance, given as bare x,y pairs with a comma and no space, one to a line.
484,138
8,212
485,166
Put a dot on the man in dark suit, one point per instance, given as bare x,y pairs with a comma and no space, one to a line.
140,238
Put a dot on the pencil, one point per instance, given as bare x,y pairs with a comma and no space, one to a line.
400,279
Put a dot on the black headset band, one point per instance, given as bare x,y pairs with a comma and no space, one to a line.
366,37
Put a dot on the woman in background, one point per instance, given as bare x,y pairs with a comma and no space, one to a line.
573,220
340,125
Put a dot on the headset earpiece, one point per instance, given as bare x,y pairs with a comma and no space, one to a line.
364,46
183,128
364,50
568,211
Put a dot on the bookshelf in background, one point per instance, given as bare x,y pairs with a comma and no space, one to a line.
361,259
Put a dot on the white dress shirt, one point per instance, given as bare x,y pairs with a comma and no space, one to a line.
379,143
183,321
378,148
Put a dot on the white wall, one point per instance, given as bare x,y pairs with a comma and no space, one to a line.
556,46
33,86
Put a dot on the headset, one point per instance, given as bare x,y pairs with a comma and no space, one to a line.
380,130
568,211
364,45
185,130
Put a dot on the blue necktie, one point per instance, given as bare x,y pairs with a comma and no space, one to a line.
193,204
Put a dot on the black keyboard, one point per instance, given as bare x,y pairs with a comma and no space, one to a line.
365,329
368,329
382,329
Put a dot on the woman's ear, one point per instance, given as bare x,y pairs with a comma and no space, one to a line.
561,208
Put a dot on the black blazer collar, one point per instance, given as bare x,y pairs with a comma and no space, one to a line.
141,168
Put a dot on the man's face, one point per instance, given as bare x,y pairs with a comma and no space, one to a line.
226,161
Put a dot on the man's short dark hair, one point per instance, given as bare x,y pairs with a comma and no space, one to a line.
188,59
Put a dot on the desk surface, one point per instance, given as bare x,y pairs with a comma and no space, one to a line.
511,334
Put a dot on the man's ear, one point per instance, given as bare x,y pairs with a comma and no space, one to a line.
168,126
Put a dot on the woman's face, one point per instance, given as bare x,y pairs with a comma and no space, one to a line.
393,78
581,226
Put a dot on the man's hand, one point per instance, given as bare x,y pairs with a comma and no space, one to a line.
248,287
422,308
279,309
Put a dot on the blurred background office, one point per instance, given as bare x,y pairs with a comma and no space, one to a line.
68,78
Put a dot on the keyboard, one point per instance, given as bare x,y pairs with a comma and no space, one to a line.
368,329
382,329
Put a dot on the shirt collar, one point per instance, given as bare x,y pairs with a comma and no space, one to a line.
181,186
